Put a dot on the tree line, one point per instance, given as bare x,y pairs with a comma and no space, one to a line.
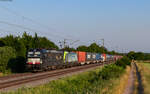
13,50
138,55
94,48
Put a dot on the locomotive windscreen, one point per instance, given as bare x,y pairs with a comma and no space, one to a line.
33,57
34,54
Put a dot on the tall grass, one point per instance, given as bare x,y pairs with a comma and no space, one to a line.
144,69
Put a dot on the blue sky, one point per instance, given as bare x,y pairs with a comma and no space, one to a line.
124,24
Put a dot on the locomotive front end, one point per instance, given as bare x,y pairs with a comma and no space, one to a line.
34,61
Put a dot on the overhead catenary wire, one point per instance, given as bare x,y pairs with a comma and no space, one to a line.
34,22
31,20
26,28
25,18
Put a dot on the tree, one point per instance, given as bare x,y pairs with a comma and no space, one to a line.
92,48
138,55
15,43
96,48
69,49
82,48
45,43
27,40
131,55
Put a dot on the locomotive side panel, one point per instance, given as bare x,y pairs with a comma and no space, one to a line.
52,60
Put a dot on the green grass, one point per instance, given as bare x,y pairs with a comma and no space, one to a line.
146,65
93,82
145,72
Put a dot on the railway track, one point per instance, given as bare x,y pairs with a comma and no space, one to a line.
24,75
30,78
14,76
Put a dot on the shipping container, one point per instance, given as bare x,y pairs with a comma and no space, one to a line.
71,57
81,57
98,57
89,58
93,57
103,56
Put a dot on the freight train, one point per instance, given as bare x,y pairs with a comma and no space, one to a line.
46,59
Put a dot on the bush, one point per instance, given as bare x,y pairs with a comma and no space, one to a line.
6,54
17,65
123,62
111,71
126,60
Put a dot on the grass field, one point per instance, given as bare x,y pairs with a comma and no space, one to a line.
99,81
145,73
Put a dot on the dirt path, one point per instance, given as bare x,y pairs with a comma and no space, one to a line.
130,87
131,81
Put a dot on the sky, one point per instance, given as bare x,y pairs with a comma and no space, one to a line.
123,24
